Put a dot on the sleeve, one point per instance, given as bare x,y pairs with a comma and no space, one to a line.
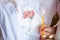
33,32
1,14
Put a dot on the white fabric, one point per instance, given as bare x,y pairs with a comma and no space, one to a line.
15,27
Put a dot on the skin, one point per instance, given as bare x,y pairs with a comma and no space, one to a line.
28,14
47,30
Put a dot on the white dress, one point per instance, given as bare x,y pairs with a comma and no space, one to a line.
15,27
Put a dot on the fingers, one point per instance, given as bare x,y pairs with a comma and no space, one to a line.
40,28
46,33
28,14
31,14
47,30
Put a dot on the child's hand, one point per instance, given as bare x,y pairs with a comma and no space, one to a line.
28,14
47,30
